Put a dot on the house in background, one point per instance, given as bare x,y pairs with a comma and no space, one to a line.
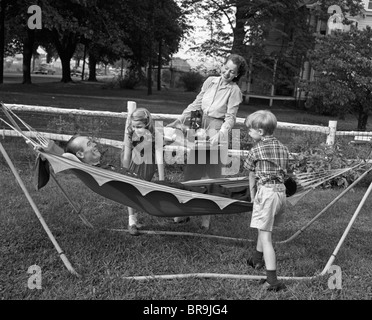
326,27
263,83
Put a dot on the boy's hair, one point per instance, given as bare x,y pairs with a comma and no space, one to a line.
262,119
143,115
241,64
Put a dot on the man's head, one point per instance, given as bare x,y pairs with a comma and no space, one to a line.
84,148
261,123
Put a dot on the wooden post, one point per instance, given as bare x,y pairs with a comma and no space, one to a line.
131,107
332,125
159,151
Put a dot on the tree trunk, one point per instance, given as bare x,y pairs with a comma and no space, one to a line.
84,57
28,45
149,78
2,39
66,70
92,67
362,120
65,45
159,65
238,32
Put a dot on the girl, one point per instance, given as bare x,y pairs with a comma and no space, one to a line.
139,153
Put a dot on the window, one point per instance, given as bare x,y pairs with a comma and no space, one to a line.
370,5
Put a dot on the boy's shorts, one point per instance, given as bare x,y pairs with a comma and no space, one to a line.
268,206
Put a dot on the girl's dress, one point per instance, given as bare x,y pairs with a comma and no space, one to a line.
143,156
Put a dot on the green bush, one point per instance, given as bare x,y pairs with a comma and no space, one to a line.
130,80
76,124
192,80
322,158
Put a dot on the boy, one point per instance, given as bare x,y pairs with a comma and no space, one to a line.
267,161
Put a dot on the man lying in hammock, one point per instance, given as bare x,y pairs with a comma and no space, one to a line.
86,150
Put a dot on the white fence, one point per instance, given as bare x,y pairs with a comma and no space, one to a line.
330,132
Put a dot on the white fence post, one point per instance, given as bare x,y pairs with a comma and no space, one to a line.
331,137
131,107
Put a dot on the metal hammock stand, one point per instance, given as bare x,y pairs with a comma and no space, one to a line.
309,183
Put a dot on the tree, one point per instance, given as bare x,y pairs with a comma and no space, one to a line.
153,25
3,5
170,27
21,39
343,82
66,22
105,42
272,33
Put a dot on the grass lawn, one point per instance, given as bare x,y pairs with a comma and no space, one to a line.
98,96
104,257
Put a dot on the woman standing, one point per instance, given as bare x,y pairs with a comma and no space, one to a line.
218,100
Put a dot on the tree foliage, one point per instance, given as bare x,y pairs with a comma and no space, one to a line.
343,82
256,24
111,29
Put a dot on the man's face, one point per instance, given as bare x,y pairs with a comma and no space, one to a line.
89,152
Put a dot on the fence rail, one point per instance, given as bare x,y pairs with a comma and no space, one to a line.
329,131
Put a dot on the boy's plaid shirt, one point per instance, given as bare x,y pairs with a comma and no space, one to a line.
269,160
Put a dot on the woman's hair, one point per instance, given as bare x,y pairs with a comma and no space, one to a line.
241,64
262,119
143,115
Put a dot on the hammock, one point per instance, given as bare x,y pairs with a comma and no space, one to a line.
153,198
308,181
160,200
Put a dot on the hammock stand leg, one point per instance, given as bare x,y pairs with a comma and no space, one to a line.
258,277
38,214
295,235
77,210
333,256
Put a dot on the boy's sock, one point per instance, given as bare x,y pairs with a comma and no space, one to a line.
132,219
271,277
274,283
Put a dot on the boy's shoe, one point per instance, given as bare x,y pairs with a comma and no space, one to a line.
205,223
255,265
133,230
181,219
277,287
273,287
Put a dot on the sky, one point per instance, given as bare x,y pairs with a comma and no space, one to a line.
198,35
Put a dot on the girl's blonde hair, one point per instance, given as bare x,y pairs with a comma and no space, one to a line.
262,119
143,115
